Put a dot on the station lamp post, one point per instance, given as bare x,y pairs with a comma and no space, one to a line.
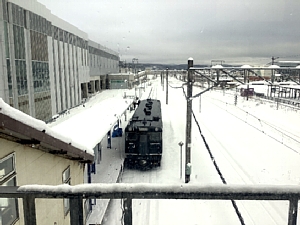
180,144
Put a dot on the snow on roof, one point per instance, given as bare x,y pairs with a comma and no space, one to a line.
217,67
90,125
246,67
274,67
39,125
20,116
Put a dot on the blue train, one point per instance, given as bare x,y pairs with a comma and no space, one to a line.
143,136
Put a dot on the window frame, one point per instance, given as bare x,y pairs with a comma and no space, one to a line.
12,203
66,179
12,172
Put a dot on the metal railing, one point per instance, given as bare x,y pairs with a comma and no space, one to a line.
128,192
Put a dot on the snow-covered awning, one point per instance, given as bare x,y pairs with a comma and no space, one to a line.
91,125
21,128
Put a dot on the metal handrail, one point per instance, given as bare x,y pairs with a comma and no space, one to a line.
77,193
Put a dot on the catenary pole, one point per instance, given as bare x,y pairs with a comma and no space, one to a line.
188,121
167,90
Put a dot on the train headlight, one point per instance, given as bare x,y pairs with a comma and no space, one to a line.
130,128
143,162
156,129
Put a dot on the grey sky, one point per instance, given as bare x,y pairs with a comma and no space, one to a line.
171,31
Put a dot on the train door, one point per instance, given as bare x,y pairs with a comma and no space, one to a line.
143,144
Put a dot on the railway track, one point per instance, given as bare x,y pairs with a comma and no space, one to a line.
222,152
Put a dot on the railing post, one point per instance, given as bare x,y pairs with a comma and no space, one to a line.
293,209
76,210
29,210
127,204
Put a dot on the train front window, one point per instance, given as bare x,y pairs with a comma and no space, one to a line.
131,136
155,136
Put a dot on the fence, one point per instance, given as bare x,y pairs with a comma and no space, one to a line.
128,192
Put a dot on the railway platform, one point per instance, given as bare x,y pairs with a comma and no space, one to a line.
108,171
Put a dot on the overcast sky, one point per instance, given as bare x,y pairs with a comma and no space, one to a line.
171,31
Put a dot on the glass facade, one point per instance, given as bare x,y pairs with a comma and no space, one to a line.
40,74
6,42
18,19
39,30
21,77
19,42
26,66
39,53
20,63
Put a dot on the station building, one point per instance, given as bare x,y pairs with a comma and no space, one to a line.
46,64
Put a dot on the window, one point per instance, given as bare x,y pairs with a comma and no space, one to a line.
155,136
97,152
8,206
66,177
131,136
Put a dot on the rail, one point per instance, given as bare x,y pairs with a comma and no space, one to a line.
128,192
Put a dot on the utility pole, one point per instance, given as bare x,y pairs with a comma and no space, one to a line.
273,59
167,89
188,129
162,79
272,71
134,63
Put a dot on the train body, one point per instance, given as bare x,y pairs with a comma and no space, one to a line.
143,136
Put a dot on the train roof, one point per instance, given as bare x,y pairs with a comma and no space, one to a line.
147,114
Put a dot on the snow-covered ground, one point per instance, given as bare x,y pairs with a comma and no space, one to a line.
252,143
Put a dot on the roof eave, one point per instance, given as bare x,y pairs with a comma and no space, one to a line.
24,134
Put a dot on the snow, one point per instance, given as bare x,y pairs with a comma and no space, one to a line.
41,126
254,144
94,119
190,191
20,116
274,67
217,67
246,67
